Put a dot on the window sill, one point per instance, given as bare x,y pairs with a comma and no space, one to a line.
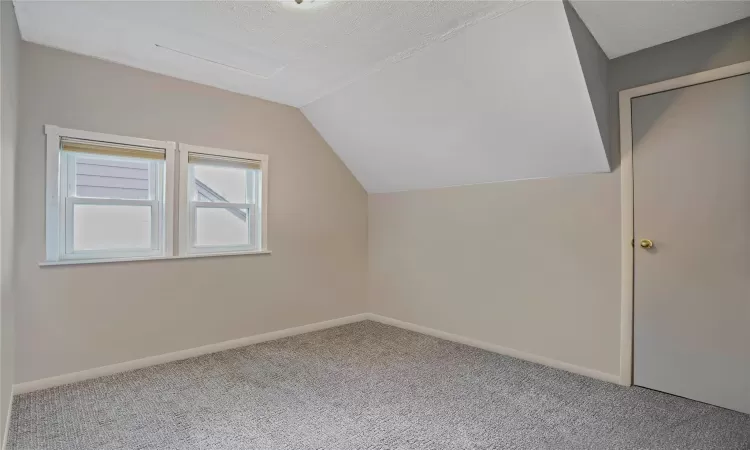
78,262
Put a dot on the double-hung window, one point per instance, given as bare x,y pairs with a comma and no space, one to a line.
107,196
222,200
112,198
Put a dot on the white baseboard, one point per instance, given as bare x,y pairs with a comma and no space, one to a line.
6,430
612,378
69,378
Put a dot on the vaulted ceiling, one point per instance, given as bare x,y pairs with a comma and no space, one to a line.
504,99
410,94
626,26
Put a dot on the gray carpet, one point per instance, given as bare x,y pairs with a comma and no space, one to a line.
363,386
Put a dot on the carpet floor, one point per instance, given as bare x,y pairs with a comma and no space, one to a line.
363,386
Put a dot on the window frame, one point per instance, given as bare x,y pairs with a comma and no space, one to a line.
67,230
188,207
59,204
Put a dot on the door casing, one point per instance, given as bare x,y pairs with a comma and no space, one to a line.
626,197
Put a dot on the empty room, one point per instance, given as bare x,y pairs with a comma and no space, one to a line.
374,224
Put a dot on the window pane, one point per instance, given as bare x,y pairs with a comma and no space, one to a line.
110,177
220,184
111,227
222,227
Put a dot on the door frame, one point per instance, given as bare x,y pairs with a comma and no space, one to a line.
627,201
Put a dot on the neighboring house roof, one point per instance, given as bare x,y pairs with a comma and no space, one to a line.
207,194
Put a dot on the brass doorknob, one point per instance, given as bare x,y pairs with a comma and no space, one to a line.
646,243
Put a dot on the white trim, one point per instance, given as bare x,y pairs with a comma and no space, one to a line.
626,183
223,205
609,377
263,206
58,231
626,243
187,207
168,192
111,201
688,80
75,377
218,250
60,380
52,215
6,430
75,262
183,221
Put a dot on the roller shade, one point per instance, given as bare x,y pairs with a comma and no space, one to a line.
103,148
223,161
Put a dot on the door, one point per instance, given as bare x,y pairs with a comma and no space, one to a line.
691,175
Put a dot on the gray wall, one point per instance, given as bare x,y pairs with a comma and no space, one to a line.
722,46
74,318
10,41
594,65
532,265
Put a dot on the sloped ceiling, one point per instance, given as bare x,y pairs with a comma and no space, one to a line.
410,94
626,26
504,99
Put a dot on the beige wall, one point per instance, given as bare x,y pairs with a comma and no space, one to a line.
10,41
79,317
531,265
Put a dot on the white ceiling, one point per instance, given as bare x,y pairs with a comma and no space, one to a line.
410,94
504,99
625,26
275,52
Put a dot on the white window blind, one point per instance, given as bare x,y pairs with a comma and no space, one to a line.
110,149
223,161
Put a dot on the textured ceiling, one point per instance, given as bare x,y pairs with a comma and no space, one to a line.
504,99
626,26
259,48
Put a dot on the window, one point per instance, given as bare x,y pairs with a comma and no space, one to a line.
111,198
221,200
106,196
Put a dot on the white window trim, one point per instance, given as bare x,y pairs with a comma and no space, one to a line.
186,210
79,262
55,213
